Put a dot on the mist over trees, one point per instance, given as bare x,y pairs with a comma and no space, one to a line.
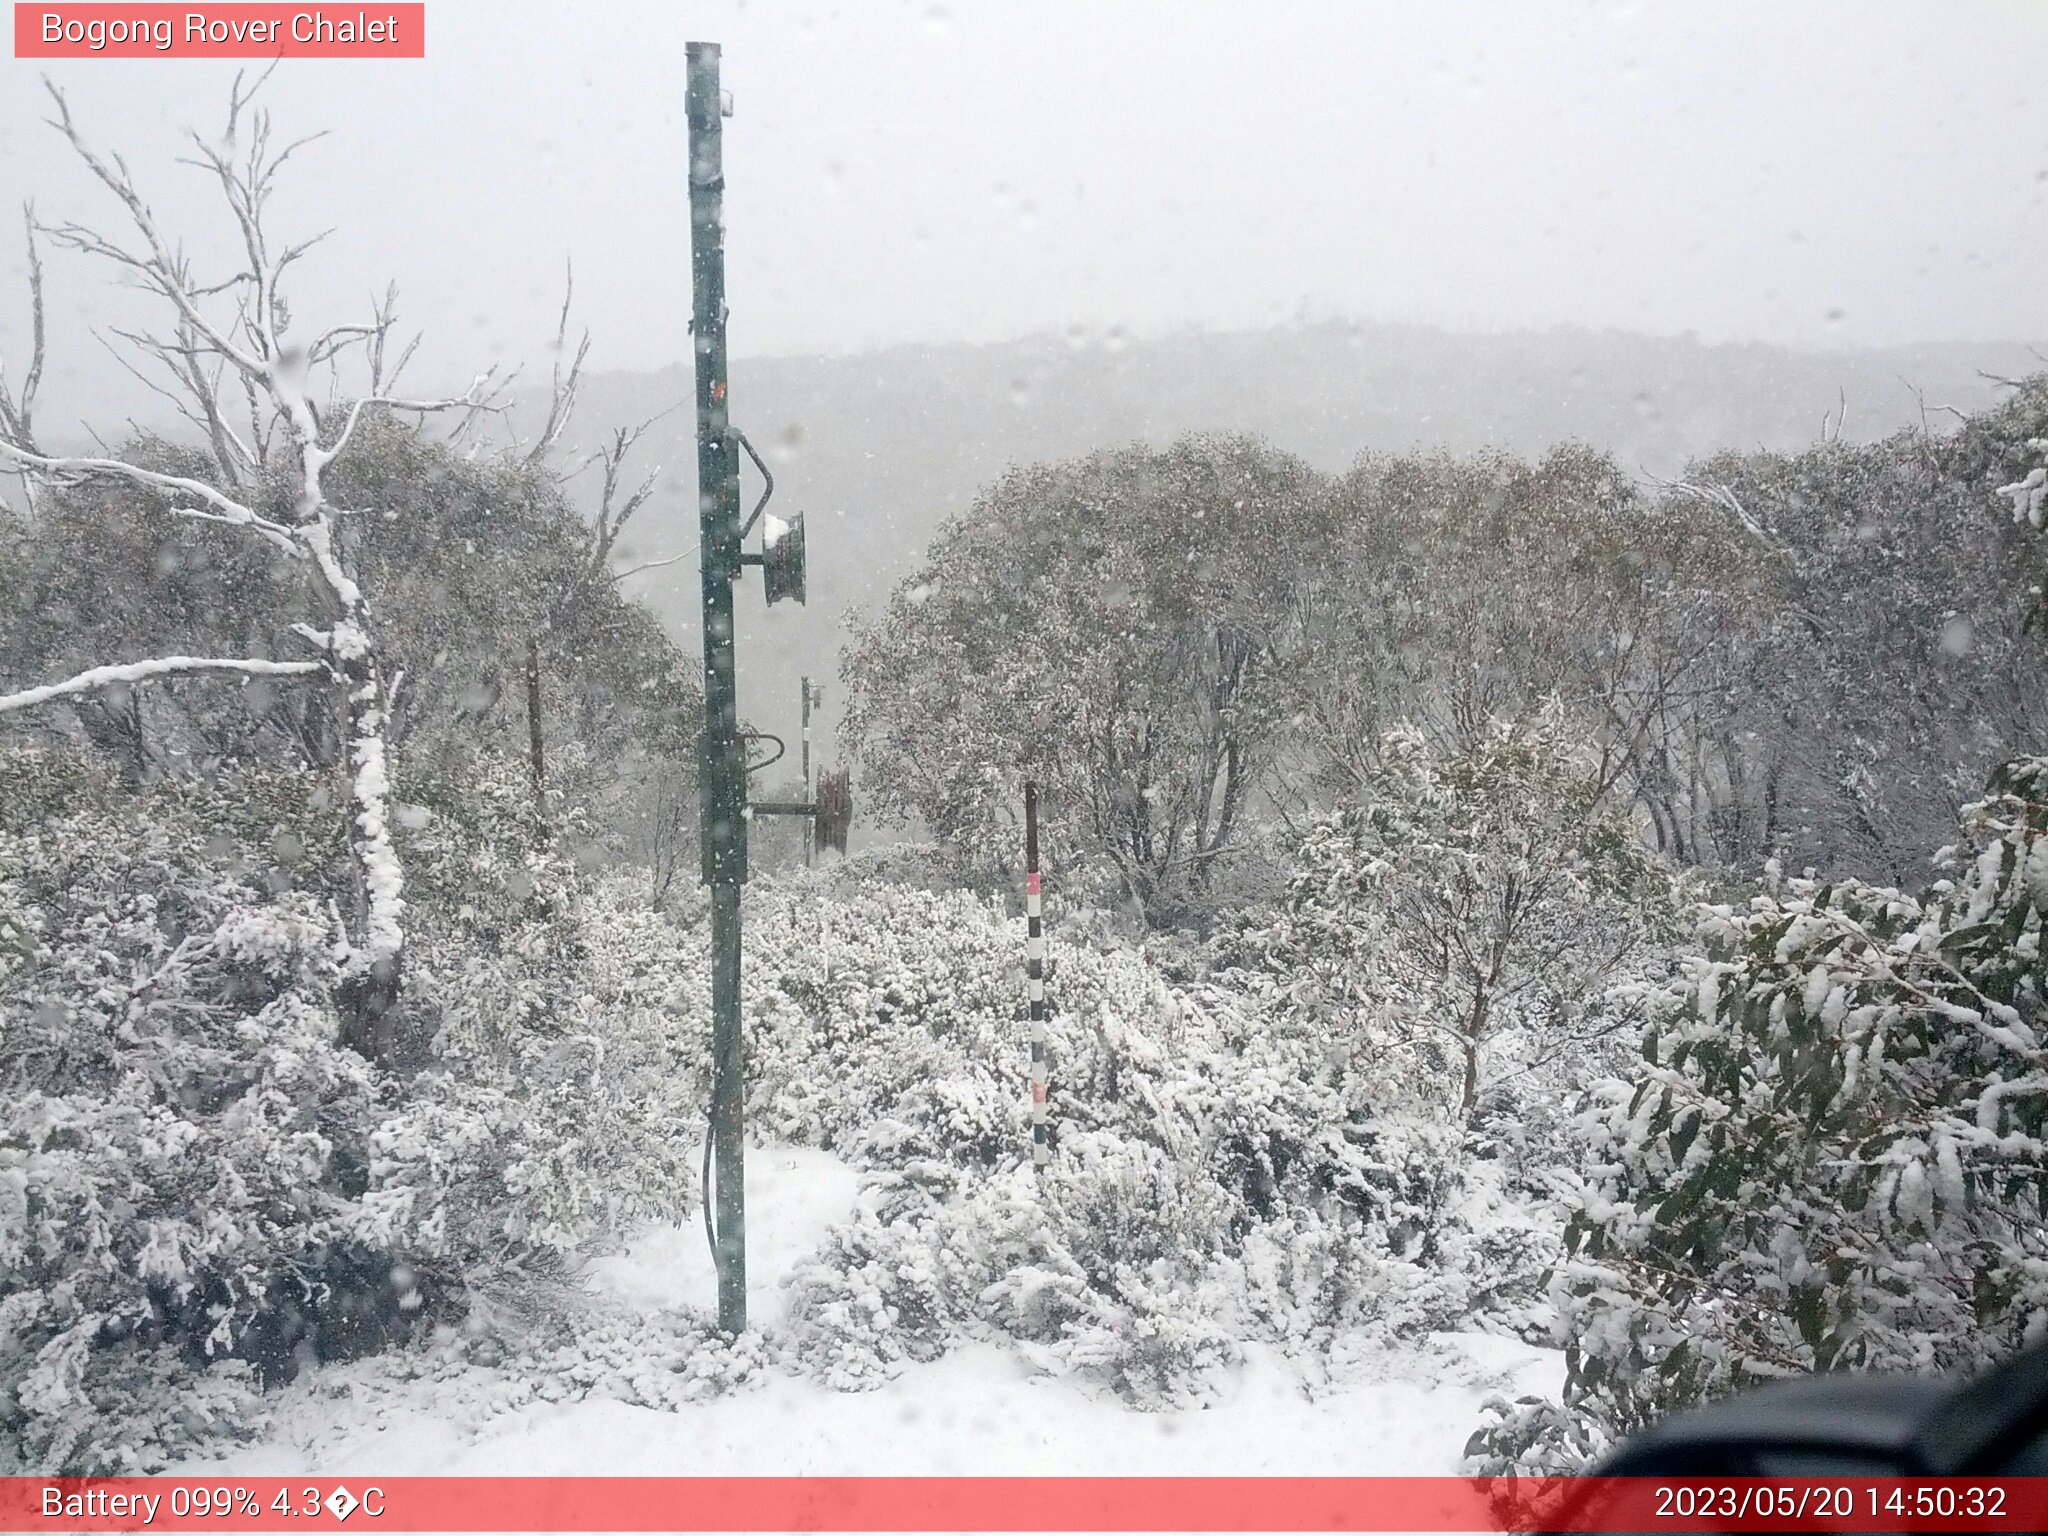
1815,656
1493,885
882,447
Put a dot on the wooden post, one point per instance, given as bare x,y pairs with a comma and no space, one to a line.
533,737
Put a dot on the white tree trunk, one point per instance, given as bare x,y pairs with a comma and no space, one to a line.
275,378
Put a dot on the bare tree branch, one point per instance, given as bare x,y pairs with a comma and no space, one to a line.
161,270
480,396
225,509
1721,496
653,565
612,514
142,671
562,396
17,413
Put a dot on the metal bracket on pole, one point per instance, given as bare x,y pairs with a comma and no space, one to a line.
767,485
830,811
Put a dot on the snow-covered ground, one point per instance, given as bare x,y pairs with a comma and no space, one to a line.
981,1409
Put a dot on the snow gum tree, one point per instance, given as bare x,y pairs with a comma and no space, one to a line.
1471,913
1110,627
1885,669
232,339
472,556
1816,654
1452,592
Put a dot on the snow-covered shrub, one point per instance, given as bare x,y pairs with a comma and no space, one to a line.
652,1360
1080,1269
888,1025
895,1004
1304,1277
1441,970
557,1107
928,866
872,1299
197,1175
1830,1153
181,1132
1501,1246
1219,1171
1104,1269
1470,916
471,1373
2029,494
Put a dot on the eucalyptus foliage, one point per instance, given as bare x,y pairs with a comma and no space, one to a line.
1832,1153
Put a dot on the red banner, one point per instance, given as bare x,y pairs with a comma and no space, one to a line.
1022,1504
263,31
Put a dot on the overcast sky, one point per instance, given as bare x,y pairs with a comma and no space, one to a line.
1814,174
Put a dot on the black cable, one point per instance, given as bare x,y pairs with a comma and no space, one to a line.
781,748
704,1187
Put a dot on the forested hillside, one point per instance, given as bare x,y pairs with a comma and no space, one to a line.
882,447
1532,861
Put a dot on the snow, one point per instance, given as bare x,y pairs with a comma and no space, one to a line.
980,1410
143,671
2029,496
384,934
794,1195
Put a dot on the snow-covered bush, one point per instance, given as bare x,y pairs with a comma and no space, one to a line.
181,1132
1082,1269
888,1026
558,1104
1470,916
661,1359
1441,970
1219,1172
1831,1152
2029,494
202,1185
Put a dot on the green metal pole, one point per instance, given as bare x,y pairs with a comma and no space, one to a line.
722,769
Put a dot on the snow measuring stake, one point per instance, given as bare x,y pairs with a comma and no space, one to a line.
722,751
812,695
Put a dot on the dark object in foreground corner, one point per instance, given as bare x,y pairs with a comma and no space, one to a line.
1845,1425
1857,1424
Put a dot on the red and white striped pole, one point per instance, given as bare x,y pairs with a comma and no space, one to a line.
1034,973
